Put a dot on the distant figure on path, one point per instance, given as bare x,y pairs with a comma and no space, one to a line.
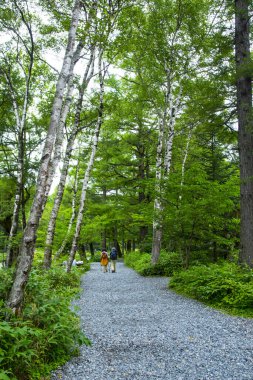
113,257
104,260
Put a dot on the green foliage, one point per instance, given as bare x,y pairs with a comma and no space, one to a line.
168,263
48,332
6,283
96,257
226,286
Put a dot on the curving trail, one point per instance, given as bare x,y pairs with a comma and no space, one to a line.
142,331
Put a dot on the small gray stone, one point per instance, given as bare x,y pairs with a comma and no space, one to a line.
141,331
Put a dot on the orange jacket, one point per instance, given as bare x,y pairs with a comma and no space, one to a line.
104,260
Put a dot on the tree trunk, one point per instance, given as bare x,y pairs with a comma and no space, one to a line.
29,236
21,125
73,216
128,246
64,171
184,162
117,246
245,118
158,207
103,233
89,167
57,153
91,249
103,240
163,165
82,252
142,199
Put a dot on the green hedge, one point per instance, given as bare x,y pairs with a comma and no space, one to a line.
226,286
48,332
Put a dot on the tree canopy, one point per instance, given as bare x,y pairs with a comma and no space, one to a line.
135,105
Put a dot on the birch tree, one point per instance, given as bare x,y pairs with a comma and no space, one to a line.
73,213
25,58
70,145
90,163
29,236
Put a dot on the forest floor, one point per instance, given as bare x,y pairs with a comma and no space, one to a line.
140,330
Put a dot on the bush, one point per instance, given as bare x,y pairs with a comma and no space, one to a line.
96,257
168,263
48,332
226,286
6,282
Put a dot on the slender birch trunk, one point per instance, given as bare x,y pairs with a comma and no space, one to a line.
158,207
73,215
29,237
89,167
56,158
64,172
245,118
186,152
174,108
20,124
163,163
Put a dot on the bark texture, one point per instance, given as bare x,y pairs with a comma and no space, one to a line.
245,123
89,168
73,215
20,116
158,206
163,162
29,236
64,172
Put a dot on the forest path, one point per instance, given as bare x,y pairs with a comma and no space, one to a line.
142,331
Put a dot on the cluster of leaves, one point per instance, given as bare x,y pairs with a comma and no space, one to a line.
48,332
226,286
97,256
168,263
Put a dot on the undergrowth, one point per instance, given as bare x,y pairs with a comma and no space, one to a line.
225,286
168,263
48,332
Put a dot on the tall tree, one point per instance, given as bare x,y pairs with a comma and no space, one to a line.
245,123
29,237
70,144
24,56
90,164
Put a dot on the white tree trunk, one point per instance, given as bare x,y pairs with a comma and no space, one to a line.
163,163
20,126
29,236
186,152
89,167
174,108
73,215
158,206
57,153
60,190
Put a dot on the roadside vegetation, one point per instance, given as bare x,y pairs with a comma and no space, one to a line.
223,285
48,332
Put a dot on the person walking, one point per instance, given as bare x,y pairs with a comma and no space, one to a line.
113,257
104,260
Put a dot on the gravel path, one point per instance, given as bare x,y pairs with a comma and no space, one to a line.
142,331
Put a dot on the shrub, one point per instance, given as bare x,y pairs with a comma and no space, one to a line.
6,282
226,285
48,332
168,263
96,257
